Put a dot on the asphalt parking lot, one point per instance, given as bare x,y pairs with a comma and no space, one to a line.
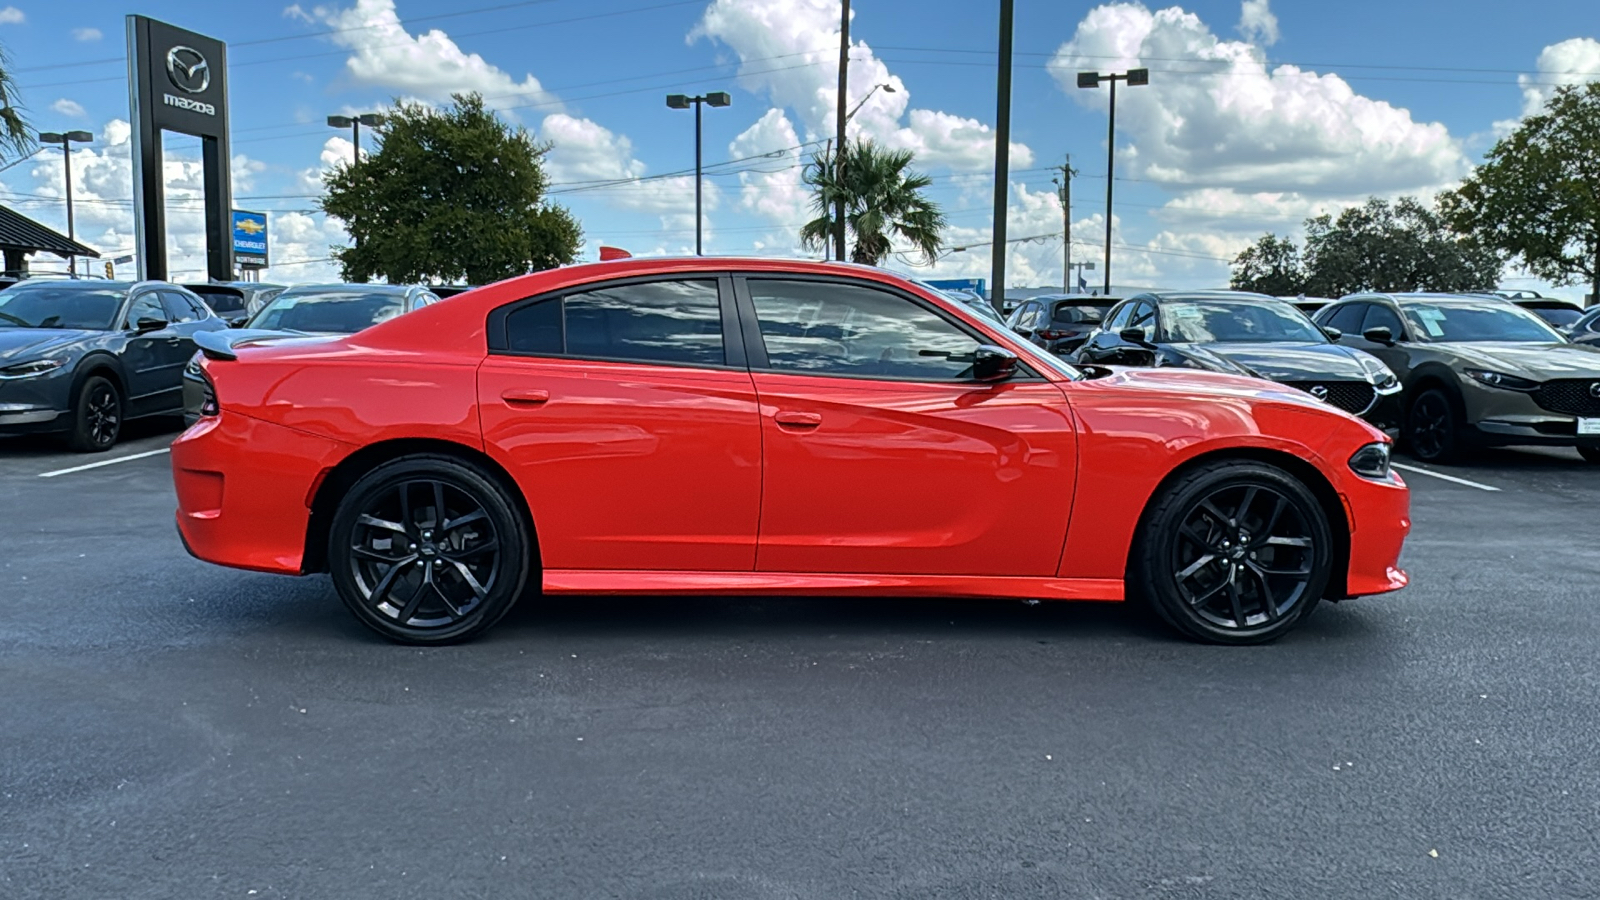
172,729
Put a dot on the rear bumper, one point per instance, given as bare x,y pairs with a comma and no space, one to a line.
244,491
1380,519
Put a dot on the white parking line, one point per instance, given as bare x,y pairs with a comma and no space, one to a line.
105,462
1450,478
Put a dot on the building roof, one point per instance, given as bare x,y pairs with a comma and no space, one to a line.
18,232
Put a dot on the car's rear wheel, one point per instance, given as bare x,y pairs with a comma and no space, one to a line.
1592,454
1234,552
1432,431
429,550
96,416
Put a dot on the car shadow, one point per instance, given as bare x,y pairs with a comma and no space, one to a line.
37,446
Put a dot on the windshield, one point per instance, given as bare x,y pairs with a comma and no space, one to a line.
1559,316
1236,321
54,306
223,301
327,311
1467,321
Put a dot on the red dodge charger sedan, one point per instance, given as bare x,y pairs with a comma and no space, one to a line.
743,426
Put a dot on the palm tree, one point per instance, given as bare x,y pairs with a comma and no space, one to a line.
15,135
883,200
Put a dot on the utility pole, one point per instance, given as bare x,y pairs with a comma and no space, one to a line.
843,119
1064,183
1002,159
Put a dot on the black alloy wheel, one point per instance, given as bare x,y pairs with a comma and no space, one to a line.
428,550
96,416
1235,552
1431,429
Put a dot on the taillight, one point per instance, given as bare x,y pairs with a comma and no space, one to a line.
208,395
1053,334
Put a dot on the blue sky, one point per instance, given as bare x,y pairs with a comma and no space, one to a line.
1258,113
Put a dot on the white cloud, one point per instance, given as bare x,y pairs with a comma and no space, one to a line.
429,66
12,16
1572,61
1257,23
585,151
789,50
67,107
86,34
1244,125
775,193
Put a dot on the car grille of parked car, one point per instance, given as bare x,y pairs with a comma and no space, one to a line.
1350,396
1570,396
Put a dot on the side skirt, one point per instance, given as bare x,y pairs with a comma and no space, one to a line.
622,581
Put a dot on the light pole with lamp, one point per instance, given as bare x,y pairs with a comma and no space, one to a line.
1134,78
683,101
354,123
65,139
838,169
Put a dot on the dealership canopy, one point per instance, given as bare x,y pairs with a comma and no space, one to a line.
20,235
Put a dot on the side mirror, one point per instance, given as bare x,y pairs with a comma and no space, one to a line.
1333,333
1134,336
1379,335
991,363
147,325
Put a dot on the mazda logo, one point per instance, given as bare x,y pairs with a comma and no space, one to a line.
1319,392
1594,390
188,70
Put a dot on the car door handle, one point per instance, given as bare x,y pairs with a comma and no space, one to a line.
525,396
797,420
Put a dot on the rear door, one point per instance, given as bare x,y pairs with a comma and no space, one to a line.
881,455
628,419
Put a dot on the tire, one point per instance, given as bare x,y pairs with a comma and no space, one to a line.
416,577
96,416
1432,428
1591,454
1197,563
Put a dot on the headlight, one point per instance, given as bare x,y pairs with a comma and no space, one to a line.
193,368
29,369
1371,461
1501,380
1382,376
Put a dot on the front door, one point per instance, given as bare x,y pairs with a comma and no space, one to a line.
629,422
882,456
154,380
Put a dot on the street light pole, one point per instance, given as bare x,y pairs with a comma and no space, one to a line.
65,140
1134,78
354,123
1002,160
843,120
682,101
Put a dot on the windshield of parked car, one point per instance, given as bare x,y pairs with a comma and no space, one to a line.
1236,321
1467,321
56,306
1559,316
327,311
223,301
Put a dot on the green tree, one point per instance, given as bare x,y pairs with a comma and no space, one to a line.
1537,195
1270,266
16,135
452,194
1404,246
883,200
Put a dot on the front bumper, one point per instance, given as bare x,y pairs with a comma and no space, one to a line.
1502,418
245,488
1379,515
37,404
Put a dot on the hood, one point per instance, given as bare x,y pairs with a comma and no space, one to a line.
1204,385
1540,362
19,345
1296,361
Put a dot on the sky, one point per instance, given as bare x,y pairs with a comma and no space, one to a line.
1258,114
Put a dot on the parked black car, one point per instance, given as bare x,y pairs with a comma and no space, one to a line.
1060,323
1245,334
1587,329
309,311
236,301
81,357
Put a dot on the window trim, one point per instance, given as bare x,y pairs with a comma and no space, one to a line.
733,350
756,347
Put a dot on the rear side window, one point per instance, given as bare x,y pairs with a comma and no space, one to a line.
678,322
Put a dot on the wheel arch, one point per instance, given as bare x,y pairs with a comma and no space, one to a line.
1428,377
336,481
98,362
1306,473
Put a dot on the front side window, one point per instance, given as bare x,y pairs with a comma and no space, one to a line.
677,322
1119,319
1345,317
1144,319
179,308
828,328
146,306
1379,315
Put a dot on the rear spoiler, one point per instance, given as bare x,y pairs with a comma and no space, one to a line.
215,344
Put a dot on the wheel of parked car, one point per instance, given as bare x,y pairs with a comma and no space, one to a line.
1233,552
428,550
96,416
1592,454
1432,432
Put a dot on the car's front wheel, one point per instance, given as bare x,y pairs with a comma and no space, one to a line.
429,550
1234,552
1432,431
96,416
